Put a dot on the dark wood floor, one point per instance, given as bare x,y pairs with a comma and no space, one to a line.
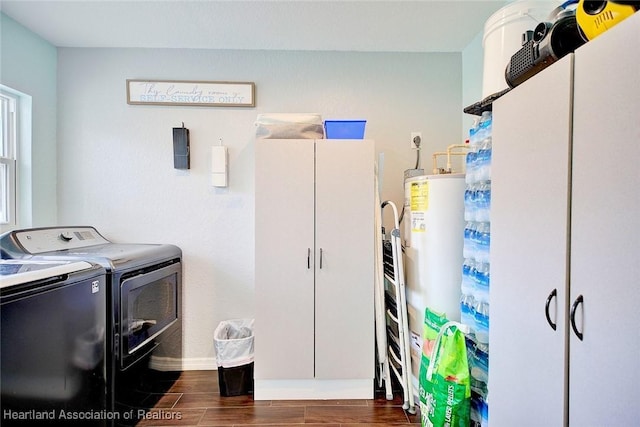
194,399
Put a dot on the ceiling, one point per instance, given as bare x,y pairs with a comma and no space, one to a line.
348,25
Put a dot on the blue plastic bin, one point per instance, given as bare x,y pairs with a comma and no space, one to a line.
344,129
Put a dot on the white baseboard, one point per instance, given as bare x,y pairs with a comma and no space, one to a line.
312,389
174,364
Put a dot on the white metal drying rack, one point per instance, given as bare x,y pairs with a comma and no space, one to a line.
399,356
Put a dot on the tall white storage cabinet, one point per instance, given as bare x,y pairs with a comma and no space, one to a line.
604,368
529,249
565,299
315,241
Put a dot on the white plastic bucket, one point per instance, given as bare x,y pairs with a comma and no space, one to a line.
503,37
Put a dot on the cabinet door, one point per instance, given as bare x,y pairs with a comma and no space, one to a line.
344,280
529,238
605,238
284,338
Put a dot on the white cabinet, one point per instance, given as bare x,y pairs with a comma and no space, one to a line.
604,368
314,328
565,207
529,243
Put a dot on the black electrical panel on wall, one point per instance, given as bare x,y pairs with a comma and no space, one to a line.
181,148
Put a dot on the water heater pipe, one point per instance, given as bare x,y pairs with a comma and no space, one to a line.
448,153
436,169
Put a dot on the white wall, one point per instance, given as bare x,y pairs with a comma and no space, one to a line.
28,65
115,166
472,68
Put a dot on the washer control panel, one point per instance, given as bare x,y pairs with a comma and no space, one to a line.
40,240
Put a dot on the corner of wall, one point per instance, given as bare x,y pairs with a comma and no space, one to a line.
472,66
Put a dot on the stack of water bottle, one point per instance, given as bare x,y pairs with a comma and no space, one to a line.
474,302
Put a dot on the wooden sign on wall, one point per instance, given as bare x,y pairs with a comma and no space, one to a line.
191,93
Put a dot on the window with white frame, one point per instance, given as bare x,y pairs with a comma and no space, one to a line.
8,127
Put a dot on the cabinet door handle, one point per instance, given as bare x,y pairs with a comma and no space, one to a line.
308,258
320,258
551,296
574,306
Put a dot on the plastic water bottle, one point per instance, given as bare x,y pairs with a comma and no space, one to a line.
484,413
482,281
479,370
475,410
483,238
475,201
481,308
468,202
483,201
468,246
483,159
479,203
479,373
480,160
470,160
471,164
485,214
481,323
467,303
485,126
476,242
473,132
467,285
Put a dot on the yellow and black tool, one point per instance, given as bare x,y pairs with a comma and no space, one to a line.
596,17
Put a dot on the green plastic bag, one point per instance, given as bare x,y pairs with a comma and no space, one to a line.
445,391
433,322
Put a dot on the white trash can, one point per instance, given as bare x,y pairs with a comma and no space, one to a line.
233,342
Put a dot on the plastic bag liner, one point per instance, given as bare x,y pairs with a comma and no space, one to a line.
289,126
233,342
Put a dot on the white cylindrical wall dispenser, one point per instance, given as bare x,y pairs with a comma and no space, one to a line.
434,221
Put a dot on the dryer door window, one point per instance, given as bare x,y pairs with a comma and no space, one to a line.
149,305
